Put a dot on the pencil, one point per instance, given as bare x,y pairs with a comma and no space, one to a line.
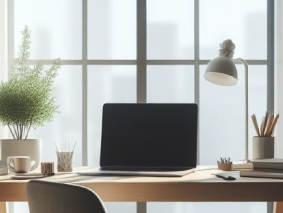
262,127
273,125
255,124
269,123
265,121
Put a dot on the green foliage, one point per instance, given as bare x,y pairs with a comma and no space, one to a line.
27,99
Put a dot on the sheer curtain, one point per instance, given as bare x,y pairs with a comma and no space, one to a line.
279,75
3,53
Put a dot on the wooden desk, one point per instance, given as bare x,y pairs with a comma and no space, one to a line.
200,186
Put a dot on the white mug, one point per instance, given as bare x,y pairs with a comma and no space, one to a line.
19,164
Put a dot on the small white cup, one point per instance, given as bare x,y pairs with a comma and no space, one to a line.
19,164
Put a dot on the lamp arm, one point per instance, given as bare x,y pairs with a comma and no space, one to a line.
242,61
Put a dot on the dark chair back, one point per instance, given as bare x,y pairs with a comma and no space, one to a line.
49,197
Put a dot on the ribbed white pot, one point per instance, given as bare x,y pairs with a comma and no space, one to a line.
25,147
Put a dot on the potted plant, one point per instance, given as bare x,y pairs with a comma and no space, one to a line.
26,101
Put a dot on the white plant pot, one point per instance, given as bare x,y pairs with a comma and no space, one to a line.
25,147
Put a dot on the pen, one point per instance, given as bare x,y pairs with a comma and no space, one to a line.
228,178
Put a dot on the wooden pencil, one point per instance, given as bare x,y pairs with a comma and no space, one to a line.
255,124
273,125
262,127
269,124
265,121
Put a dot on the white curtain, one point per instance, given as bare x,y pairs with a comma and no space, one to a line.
3,51
279,76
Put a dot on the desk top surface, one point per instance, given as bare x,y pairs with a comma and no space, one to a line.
198,186
199,176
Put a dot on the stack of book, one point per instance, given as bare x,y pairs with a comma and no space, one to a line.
265,168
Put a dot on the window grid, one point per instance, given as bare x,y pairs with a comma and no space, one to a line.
134,62
141,61
84,84
197,66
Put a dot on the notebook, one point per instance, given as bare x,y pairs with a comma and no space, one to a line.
272,163
262,174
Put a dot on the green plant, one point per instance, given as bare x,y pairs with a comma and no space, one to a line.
26,99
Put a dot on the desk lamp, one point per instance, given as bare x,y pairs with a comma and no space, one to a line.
222,71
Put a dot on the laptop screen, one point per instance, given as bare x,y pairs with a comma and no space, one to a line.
149,136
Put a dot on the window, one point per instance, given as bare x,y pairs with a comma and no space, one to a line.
108,55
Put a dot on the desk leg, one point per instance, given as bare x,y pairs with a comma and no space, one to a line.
3,208
141,207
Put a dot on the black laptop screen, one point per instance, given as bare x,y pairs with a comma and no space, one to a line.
149,135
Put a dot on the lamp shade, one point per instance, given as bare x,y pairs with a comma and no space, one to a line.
222,70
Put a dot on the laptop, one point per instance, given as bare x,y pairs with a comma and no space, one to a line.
148,140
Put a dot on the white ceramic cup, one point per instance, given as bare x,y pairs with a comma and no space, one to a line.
19,164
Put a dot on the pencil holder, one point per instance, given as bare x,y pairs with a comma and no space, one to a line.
263,147
65,161
47,168
225,166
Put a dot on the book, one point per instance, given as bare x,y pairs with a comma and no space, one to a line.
262,173
272,163
238,165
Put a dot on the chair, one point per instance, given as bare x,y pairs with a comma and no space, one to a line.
49,197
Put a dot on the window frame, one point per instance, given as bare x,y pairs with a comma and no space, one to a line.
141,61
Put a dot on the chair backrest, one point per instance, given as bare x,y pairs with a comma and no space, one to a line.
47,197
